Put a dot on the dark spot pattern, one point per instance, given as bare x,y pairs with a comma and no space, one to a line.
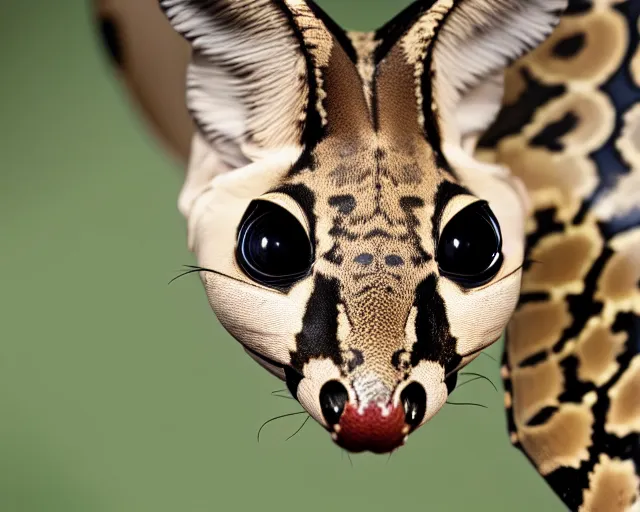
549,136
409,204
570,46
534,359
364,259
355,359
542,417
393,260
345,204
512,118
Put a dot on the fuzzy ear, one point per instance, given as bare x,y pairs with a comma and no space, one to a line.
455,52
259,75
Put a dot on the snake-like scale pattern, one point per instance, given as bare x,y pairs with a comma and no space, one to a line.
570,128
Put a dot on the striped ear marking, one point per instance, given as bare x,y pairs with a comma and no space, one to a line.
452,54
260,73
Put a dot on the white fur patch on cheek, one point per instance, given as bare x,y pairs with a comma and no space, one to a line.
316,373
478,318
261,320
431,376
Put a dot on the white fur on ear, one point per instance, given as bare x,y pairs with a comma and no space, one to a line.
477,41
479,107
204,165
247,81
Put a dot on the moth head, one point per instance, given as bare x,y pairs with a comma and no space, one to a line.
348,237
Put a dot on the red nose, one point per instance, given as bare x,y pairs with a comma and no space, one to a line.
378,428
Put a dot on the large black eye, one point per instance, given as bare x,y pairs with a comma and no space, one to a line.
470,247
273,247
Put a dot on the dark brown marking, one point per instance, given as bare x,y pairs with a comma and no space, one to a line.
344,203
394,260
569,46
364,259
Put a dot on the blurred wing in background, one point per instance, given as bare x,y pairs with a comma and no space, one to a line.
152,60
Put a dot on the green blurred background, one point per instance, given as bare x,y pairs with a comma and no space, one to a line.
120,393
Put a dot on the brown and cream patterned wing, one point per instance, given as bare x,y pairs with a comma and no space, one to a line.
150,59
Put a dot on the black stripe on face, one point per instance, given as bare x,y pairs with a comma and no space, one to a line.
306,199
446,192
434,339
319,336
293,379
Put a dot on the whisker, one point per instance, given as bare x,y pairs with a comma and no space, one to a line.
278,418
284,396
279,391
489,356
185,273
299,429
468,403
349,457
193,269
481,377
467,382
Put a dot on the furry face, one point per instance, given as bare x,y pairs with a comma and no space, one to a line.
347,237
385,280
358,250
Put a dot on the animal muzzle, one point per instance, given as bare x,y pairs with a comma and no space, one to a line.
377,426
